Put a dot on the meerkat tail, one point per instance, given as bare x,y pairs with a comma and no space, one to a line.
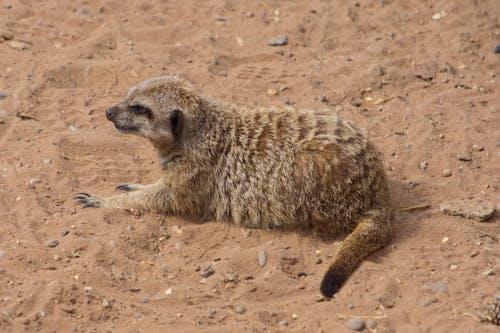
371,233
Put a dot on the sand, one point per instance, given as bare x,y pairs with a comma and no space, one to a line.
420,76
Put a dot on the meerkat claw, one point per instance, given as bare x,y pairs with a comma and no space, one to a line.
124,187
87,200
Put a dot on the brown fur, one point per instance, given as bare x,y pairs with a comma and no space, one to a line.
295,169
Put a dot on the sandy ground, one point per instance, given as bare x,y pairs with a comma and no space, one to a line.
426,89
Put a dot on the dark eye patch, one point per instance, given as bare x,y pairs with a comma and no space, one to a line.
141,110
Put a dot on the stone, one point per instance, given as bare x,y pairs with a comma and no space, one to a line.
52,243
278,41
437,287
207,271
262,257
423,165
106,304
283,323
355,324
463,157
446,173
211,312
33,182
240,310
371,324
475,209
429,301
3,95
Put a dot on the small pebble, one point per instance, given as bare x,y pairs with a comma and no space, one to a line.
319,260
464,157
72,128
496,50
278,41
446,173
323,99
488,272
272,92
474,253
3,95
423,165
283,323
211,312
295,316
145,300
378,70
262,258
207,271
16,45
439,15
65,232
33,182
371,323
355,324
428,301
82,11
477,148
240,310
453,267
319,298
350,306
169,291
438,287
106,304
52,243
356,102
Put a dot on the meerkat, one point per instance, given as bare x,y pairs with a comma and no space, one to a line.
296,169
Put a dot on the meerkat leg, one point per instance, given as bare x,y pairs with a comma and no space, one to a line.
149,197
372,232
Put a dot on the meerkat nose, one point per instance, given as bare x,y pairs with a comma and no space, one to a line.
110,113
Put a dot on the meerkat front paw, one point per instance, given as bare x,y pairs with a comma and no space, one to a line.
88,200
129,187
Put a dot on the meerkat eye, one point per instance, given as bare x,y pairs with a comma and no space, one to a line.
141,109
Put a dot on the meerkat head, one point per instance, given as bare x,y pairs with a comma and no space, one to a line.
157,109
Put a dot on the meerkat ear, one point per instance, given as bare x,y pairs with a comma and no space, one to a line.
176,123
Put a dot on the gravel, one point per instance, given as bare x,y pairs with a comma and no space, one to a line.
355,324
